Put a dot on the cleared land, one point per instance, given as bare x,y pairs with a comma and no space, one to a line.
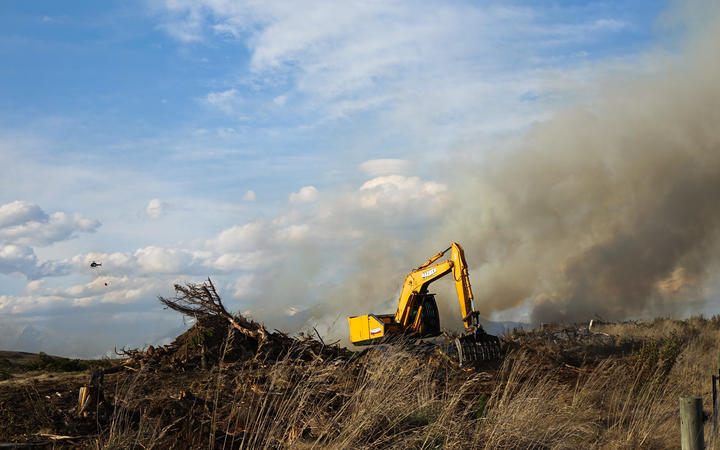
616,386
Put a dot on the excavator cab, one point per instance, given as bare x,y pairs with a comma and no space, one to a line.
429,323
370,329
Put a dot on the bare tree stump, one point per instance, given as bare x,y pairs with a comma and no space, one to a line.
91,396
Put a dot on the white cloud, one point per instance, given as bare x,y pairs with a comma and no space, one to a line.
112,263
239,238
226,101
24,225
345,57
163,260
249,196
304,195
20,212
189,28
376,167
22,259
155,208
101,290
35,286
150,260
58,227
222,28
398,190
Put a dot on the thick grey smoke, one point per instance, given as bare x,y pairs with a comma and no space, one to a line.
609,209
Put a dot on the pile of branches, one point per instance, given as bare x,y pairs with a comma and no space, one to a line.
202,302
570,345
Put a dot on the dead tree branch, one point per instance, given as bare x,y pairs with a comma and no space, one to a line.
200,300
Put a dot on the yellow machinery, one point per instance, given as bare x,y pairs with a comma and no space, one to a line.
417,314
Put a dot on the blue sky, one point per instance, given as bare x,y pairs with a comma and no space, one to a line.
262,143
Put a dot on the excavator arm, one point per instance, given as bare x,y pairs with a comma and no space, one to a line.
418,280
461,277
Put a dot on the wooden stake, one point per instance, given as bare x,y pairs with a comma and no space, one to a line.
691,423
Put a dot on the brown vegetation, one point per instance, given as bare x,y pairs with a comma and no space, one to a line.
616,386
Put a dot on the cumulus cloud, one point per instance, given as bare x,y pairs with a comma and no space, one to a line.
163,260
100,290
251,246
304,195
397,190
22,259
145,262
239,237
117,262
155,208
20,212
27,224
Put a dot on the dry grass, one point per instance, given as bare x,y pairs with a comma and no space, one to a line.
397,401
391,398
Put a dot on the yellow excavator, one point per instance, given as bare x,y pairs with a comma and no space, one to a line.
417,313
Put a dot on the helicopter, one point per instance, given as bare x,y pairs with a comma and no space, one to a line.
95,265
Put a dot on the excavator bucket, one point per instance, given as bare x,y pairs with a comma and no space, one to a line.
474,348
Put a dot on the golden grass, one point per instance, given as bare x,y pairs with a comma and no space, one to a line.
393,399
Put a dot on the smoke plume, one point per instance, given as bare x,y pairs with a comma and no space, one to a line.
611,209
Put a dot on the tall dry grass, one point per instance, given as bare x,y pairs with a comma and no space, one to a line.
392,399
